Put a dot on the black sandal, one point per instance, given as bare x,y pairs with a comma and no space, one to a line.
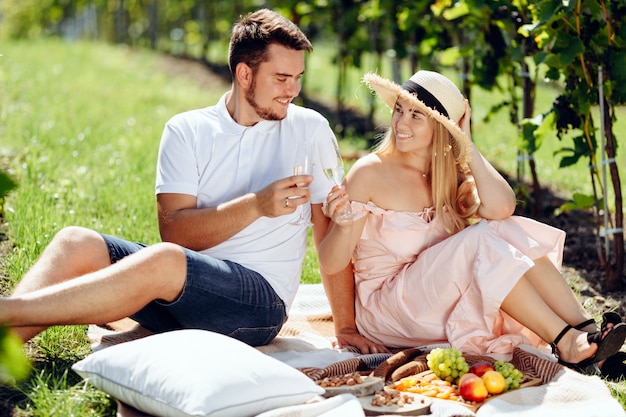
614,368
607,347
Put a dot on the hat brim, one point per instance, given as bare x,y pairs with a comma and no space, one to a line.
389,92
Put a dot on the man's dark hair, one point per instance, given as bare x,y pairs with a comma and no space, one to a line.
255,32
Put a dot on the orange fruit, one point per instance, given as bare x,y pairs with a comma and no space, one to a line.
494,382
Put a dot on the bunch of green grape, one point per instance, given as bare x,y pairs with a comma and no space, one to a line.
512,375
448,364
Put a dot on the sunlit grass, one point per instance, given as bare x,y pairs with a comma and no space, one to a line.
53,393
80,126
81,129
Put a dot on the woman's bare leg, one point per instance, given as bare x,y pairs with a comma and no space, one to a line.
525,304
554,290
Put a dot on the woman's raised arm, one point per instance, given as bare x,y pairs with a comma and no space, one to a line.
497,198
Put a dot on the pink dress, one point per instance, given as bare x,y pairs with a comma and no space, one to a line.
416,285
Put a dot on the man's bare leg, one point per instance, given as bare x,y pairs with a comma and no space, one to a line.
74,251
75,283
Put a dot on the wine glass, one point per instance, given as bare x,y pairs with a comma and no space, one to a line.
334,170
303,166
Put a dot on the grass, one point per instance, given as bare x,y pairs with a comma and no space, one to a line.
80,125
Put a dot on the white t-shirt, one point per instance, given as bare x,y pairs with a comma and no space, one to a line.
205,153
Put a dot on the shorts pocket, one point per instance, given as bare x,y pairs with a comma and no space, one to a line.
256,336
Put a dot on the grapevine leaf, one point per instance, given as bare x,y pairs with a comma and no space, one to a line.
14,366
6,184
567,161
553,74
493,110
545,127
450,56
582,147
525,30
548,9
527,135
565,207
578,202
567,47
583,201
617,78
552,60
459,9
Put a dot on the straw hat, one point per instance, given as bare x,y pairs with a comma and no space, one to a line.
432,93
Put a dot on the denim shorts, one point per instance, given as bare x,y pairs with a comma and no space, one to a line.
219,295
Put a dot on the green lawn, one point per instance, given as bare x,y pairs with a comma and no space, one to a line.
80,125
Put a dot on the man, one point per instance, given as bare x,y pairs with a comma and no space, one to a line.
230,260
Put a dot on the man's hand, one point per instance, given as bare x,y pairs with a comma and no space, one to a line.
351,337
283,196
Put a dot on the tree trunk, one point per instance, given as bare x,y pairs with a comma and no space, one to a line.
339,15
377,54
528,107
153,25
121,23
614,269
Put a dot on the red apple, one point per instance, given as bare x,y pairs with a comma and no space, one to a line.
465,377
473,389
481,367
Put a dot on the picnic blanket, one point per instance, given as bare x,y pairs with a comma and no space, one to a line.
306,343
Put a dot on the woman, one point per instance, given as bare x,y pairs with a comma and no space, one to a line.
427,269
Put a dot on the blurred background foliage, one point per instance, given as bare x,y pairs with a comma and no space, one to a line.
499,46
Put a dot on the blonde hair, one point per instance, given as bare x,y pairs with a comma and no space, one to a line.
453,189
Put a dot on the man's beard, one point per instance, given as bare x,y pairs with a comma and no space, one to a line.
265,113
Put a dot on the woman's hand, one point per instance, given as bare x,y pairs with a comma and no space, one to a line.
466,119
351,337
336,203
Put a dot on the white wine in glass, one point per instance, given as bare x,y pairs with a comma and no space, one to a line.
303,166
334,170
335,174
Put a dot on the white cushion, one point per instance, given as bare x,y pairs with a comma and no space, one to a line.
195,373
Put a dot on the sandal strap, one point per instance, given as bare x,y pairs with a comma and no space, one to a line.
559,337
610,317
584,324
